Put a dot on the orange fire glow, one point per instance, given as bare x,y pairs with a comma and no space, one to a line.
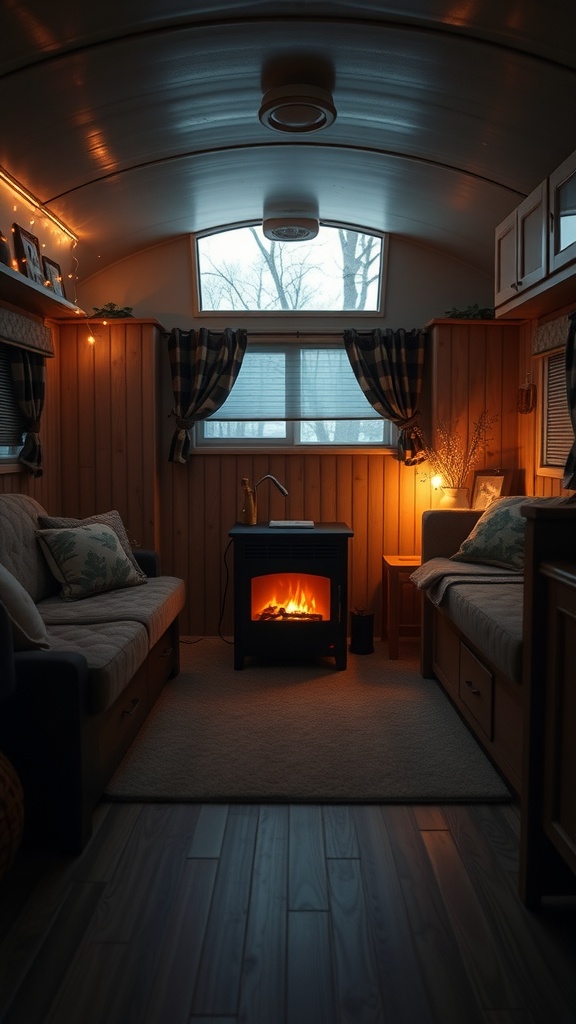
290,596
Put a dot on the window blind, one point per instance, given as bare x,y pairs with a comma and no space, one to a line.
558,433
295,382
11,423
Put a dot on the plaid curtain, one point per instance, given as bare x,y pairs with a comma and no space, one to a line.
204,366
389,367
569,478
29,379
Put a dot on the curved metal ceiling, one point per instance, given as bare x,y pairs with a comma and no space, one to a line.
138,122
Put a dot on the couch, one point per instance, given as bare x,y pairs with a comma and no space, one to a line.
89,632
482,612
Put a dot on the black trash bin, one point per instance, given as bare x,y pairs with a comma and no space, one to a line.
362,633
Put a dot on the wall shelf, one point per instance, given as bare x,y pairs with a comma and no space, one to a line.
33,297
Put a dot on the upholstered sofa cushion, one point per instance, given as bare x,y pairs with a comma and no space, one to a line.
490,616
114,651
155,606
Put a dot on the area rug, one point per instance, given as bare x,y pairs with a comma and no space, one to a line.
374,733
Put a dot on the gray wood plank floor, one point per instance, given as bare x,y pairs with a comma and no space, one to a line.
273,914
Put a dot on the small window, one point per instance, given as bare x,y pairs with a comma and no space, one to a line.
298,393
11,421
338,271
557,435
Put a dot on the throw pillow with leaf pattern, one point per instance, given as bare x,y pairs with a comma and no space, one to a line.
499,535
88,560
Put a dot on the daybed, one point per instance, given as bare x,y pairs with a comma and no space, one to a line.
482,612
90,636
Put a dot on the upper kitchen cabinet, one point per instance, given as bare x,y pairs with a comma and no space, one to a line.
521,250
563,214
535,249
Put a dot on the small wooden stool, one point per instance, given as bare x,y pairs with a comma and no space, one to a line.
400,600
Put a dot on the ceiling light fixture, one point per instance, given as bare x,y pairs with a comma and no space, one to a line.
297,109
290,229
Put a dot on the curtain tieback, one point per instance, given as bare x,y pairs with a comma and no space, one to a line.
409,423
181,423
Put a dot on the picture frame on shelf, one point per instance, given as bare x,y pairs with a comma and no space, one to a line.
53,276
27,250
489,485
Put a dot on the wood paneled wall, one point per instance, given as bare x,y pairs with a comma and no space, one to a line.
109,439
475,367
106,437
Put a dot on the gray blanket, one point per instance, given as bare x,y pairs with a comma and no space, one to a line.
437,574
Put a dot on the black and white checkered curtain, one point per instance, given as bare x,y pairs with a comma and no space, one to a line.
204,366
29,380
569,478
389,367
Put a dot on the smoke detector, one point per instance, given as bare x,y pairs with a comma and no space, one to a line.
297,109
290,229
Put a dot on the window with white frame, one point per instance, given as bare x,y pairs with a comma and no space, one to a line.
557,434
302,393
11,420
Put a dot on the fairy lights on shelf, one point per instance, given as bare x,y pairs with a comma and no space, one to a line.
50,233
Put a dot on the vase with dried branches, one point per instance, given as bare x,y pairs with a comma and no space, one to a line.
453,462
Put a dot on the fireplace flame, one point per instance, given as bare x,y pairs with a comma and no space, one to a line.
291,596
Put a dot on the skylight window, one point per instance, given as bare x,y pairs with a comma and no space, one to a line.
338,271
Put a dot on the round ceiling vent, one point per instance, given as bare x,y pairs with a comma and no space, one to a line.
297,109
290,229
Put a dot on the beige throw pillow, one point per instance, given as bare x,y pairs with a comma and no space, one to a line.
88,560
499,535
111,518
28,629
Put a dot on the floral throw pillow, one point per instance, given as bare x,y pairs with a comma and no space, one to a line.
498,537
88,560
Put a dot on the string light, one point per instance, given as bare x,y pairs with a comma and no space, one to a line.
36,204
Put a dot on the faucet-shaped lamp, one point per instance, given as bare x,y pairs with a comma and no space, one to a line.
249,514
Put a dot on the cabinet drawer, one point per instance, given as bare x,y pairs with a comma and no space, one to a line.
446,656
120,723
162,660
476,689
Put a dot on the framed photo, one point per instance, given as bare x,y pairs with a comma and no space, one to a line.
489,485
53,276
27,252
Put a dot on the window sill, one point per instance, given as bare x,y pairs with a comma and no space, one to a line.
7,466
300,450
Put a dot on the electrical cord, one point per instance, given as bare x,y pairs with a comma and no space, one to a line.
223,605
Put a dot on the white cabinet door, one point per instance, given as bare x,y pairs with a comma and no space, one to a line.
521,247
563,214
